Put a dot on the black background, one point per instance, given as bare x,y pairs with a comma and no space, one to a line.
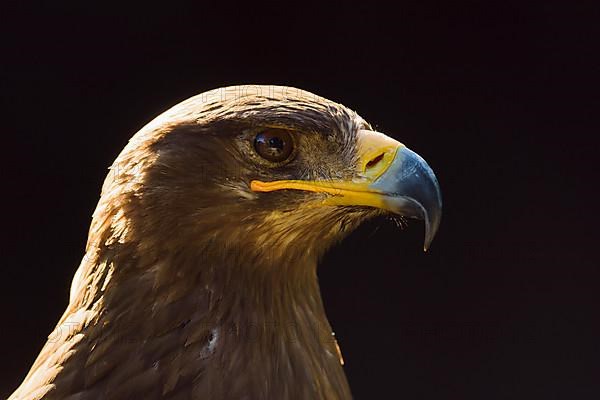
499,98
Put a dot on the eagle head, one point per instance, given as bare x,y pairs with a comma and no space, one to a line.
266,173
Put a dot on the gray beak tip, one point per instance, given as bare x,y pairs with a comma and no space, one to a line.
413,191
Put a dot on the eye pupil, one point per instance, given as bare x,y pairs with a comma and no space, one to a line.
274,145
276,142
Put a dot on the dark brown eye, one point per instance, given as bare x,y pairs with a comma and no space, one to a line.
273,144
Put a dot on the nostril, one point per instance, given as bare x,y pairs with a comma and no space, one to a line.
374,161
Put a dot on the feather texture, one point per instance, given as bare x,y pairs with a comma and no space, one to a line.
192,285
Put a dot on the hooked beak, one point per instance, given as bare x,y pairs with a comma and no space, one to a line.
389,176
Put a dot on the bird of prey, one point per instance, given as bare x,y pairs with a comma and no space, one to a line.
199,278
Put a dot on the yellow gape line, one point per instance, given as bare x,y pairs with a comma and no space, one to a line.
342,193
